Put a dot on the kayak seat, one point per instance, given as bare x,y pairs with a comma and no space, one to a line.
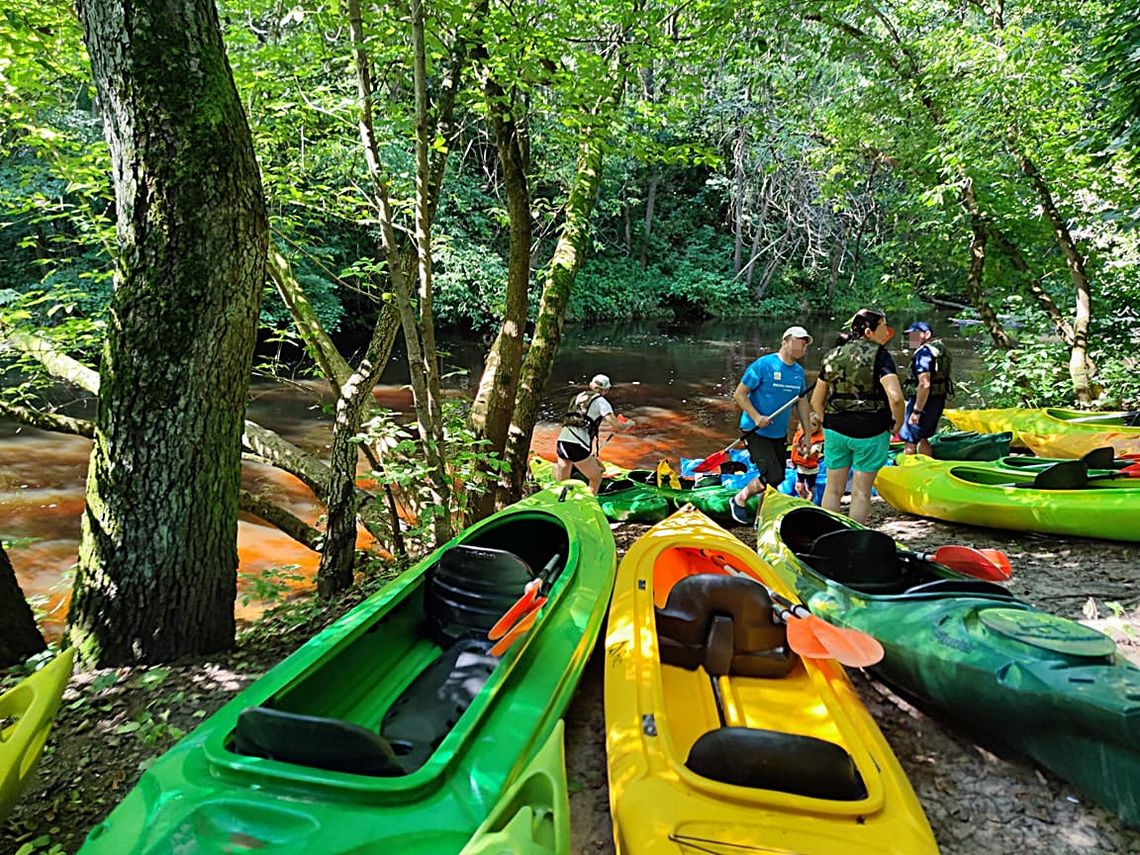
470,588
860,558
784,762
724,623
309,740
800,527
428,708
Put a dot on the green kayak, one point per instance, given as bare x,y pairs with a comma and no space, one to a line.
633,495
965,445
1045,685
1083,503
396,729
1056,432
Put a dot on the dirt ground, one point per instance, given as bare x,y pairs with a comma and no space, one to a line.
979,798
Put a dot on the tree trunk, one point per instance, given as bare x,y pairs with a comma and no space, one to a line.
495,399
647,225
975,273
568,257
20,638
1080,368
156,578
738,150
338,557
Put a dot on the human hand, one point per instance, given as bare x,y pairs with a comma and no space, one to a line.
763,421
914,418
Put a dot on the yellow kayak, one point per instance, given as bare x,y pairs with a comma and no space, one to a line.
30,706
1055,432
738,745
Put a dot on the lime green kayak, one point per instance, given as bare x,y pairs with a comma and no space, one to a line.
1056,432
397,728
27,711
1047,686
634,495
996,497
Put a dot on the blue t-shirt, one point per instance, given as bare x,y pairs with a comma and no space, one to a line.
923,361
772,383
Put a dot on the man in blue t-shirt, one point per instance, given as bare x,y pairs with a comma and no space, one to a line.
930,380
769,383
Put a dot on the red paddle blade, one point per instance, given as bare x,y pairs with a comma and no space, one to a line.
1000,560
847,646
966,559
503,644
803,641
522,605
1132,471
711,462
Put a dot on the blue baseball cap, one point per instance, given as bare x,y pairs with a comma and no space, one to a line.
918,326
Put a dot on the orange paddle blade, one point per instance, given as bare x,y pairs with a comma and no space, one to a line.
503,644
1000,560
711,462
521,606
972,562
847,646
803,641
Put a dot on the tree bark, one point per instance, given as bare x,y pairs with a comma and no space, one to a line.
338,557
975,273
156,578
573,241
21,637
1080,368
647,224
494,402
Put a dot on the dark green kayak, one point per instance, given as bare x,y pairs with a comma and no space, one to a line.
395,729
966,445
633,495
1045,685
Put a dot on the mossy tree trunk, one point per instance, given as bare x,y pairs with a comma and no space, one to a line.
20,638
158,560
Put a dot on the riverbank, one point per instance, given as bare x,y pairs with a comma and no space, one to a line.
977,796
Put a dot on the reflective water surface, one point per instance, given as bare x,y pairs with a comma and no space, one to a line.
676,381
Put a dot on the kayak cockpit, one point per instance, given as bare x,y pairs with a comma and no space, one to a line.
719,636
382,702
870,561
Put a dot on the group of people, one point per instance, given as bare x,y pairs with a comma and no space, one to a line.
852,411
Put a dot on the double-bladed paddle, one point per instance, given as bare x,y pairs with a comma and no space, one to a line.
717,458
522,614
1074,475
809,636
989,564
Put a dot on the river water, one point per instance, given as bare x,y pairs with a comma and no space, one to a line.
675,381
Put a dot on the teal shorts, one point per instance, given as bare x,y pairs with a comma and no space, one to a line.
859,455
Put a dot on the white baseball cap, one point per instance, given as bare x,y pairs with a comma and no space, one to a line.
796,332
600,382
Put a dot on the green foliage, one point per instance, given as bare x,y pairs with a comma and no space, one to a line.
1032,375
271,586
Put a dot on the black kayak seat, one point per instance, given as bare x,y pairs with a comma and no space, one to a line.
428,708
470,588
800,527
860,558
724,623
314,741
784,762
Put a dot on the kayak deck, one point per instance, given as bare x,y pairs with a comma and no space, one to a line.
718,736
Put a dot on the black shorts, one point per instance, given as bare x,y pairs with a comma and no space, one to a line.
770,456
572,451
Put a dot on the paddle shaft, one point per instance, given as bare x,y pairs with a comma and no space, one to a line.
718,456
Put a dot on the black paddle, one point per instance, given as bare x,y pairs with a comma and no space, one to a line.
1074,475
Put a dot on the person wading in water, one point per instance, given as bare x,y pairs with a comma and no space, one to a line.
577,446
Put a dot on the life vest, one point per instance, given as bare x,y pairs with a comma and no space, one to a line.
577,414
851,385
809,460
940,383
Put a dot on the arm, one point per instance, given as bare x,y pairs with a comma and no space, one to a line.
803,409
740,396
890,384
819,398
617,423
920,397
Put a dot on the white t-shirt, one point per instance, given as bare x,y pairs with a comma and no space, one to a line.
599,408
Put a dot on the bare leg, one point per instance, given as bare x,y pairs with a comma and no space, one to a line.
592,469
924,448
562,469
911,449
861,483
833,491
756,485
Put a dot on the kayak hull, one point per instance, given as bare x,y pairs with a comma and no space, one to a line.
1045,685
474,742
946,490
31,705
658,713
1053,432
633,495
